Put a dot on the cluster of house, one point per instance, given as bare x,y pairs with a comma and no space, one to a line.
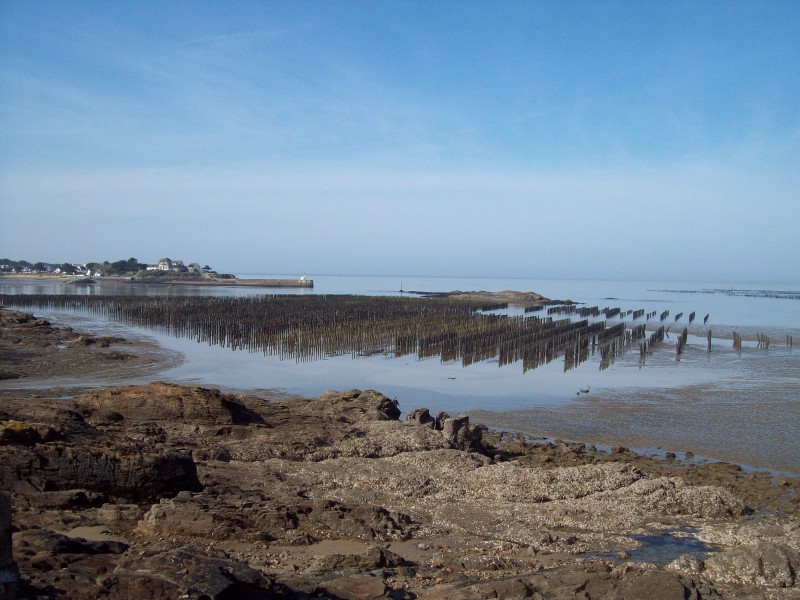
97,270
12,269
79,270
167,264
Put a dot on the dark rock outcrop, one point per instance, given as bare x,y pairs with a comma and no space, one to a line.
46,541
68,453
257,517
463,435
591,580
112,570
184,571
357,404
9,573
159,402
374,558
130,472
25,434
421,416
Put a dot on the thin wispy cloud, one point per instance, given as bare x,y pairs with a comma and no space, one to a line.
237,40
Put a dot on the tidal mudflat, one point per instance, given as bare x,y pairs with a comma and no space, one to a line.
738,406
727,404
164,490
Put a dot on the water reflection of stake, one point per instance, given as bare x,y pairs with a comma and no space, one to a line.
308,328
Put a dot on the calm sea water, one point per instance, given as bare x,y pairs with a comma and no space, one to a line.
724,383
703,298
651,295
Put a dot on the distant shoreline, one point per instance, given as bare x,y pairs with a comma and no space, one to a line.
231,281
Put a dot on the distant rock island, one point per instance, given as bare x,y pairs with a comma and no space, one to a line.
507,296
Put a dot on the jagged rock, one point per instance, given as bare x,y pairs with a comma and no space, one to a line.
657,585
337,424
199,516
579,581
128,471
26,434
774,529
112,513
43,540
359,587
461,434
211,452
763,564
509,587
420,416
47,447
357,404
374,558
42,421
185,571
168,402
473,562
688,564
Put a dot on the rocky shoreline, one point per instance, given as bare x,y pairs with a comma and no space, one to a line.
168,491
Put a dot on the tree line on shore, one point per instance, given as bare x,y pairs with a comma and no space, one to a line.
122,267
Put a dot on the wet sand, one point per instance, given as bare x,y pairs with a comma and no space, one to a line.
749,413
38,354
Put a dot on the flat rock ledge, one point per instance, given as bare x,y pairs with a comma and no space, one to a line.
167,491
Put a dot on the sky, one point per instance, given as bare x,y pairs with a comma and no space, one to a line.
635,140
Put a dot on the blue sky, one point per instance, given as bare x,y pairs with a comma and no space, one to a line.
626,140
